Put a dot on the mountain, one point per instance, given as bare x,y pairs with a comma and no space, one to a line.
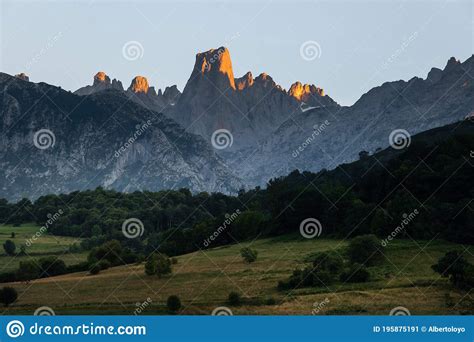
250,108
53,141
324,137
139,91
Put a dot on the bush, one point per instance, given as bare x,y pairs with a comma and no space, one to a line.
357,273
104,264
51,266
365,249
28,270
234,299
9,247
8,295
95,269
173,303
249,255
174,261
158,264
456,268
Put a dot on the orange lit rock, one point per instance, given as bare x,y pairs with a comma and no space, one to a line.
244,81
139,85
303,92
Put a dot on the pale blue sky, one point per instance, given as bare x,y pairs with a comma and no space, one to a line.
363,43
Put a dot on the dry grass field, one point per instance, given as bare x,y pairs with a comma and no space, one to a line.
203,281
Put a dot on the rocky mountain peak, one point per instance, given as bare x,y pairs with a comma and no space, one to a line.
302,92
216,65
22,76
452,63
244,81
101,78
139,85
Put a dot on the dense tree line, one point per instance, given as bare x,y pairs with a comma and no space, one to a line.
374,195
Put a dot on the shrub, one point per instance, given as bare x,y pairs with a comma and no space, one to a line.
174,261
456,268
28,270
357,273
365,249
150,266
9,247
249,255
51,266
173,303
8,295
95,269
234,299
158,264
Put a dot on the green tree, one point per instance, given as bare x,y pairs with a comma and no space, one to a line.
28,270
8,295
365,249
453,266
234,298
150,266
9,247
249,255
173,303
51,266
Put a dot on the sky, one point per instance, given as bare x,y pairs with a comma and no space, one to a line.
344,47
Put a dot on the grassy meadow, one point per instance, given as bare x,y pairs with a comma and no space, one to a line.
204,279
44,245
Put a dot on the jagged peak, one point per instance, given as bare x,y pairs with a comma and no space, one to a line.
265,80
139,85
452,62
100,78
244,81
215,61
301,91
22,76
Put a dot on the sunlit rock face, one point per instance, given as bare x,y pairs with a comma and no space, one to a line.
304,92
101,82
139,85
213,98
138,149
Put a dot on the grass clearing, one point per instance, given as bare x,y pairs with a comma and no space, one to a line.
204,279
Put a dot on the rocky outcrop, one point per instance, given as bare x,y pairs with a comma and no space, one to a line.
140,85
22,76
69,142
101,82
